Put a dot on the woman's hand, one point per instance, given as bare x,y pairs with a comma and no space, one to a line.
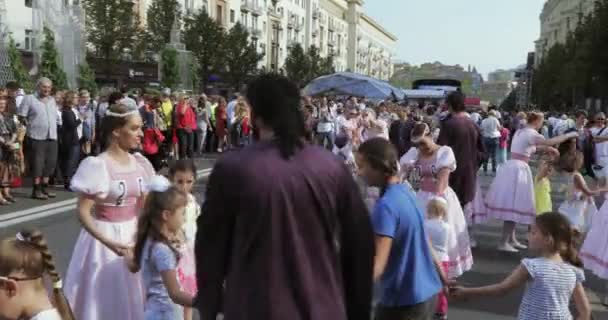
118,248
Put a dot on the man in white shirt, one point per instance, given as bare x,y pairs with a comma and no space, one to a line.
490,130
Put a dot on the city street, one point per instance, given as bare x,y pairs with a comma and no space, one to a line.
490,266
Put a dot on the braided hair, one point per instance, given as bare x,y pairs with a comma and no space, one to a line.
29,254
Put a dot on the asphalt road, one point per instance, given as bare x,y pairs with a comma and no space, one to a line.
490,266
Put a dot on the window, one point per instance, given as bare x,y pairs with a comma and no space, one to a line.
28,3
244,19
29,40
218,14
254,22
232,16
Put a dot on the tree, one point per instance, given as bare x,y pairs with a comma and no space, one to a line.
241,56
162,16
327,65
20,74
297,65
204,37
170,68
111,28
86,78
50,66
315,63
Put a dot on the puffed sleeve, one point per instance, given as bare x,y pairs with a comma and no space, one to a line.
535,138
145,165
446,158
91,178
409,158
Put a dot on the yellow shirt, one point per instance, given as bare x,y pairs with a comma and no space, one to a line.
167,110
542,196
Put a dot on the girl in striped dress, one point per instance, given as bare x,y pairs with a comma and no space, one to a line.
551,279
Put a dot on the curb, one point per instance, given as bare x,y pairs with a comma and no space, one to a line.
52,209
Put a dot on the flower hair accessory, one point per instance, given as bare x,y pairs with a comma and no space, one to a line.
21,237
158,183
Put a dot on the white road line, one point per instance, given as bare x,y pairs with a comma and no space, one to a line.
52,209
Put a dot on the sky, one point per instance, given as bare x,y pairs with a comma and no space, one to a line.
487,34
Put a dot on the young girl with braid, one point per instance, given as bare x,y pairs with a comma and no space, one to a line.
24,261
157,249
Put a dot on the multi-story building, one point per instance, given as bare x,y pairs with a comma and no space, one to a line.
500,83
337,27
557,19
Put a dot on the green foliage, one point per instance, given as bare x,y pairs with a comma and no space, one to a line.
327,65
111,28
240,55
49,62
205,38
86,78
578,69
20,74
297,65
170,68
162,16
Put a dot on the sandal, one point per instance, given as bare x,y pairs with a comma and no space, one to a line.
10,199
3,202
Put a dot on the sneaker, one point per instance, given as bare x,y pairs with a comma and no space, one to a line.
507,248
518,245
440,316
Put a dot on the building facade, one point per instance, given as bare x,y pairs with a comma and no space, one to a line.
557,19
336,27
500,83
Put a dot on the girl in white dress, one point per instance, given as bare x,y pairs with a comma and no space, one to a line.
111,192
511,194
433,164
24,261
578,204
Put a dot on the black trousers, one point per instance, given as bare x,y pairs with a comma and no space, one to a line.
42,155
185,142
70,156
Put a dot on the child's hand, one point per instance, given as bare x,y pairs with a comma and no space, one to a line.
458,292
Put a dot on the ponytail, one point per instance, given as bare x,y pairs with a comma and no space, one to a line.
569,251
36,238
565,237
275,100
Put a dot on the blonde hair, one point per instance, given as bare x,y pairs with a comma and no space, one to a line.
437,208
29,254
534,116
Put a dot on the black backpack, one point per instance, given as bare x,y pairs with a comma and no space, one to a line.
590,162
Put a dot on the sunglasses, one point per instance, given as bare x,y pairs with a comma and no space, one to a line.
600,119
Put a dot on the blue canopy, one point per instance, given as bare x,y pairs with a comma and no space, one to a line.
352,84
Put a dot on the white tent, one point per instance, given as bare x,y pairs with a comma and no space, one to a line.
424,94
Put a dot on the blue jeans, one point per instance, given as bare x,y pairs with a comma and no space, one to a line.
491,144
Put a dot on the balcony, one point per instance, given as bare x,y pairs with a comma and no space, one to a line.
246,6
315,33
257,11
332,26
331,42
316,14
255,32
276,13
298,26
290,24
291,43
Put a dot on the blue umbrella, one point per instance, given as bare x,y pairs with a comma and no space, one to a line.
347,83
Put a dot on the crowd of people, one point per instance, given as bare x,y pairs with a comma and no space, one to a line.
46,134
289,230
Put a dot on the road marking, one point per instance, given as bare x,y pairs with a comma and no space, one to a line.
52,209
